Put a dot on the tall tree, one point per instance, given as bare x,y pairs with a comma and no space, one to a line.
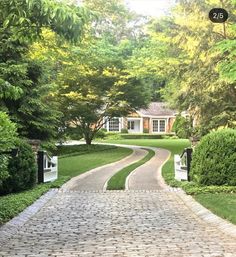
95,88
24,84
195,58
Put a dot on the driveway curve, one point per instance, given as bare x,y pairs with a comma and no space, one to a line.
148,176
96,179
133,223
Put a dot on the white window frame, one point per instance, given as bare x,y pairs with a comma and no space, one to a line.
130,125
158,125
108,125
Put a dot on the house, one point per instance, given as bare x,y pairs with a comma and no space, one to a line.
157,118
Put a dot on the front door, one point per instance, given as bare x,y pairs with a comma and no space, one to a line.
134,126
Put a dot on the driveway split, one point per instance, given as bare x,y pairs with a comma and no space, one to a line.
96,179
133,223
147,176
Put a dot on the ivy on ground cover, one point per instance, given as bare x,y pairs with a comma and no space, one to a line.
12,204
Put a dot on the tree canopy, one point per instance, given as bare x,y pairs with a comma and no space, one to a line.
66,64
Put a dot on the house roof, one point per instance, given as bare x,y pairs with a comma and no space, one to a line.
157,109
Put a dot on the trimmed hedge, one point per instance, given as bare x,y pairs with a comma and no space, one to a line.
214,159
145,136
22,170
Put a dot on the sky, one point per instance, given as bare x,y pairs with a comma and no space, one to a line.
150,7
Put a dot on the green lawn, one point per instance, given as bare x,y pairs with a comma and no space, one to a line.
222,204
117,182
75,165
83,159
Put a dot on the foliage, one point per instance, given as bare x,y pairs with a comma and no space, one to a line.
25,84
144,136
7,142
96,88
31,15
192,188
22,170
117,182
214,159
13,204
65,150
124,131
145,130
182,127
114,21
101,133
192,62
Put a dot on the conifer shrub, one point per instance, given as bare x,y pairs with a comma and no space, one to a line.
21,169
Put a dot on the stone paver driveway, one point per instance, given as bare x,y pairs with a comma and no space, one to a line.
123,223
148,223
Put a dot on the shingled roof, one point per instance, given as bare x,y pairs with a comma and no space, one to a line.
157,109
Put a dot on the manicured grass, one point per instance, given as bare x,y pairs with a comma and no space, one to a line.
222,204
117,182
75,165
69,166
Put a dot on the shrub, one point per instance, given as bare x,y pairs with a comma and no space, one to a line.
182,127
22,170
144,136
124,131
7,141
145,130
101,133
214,159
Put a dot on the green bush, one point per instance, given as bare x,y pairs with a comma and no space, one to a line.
182,127
145,130
101,133
214,159
144,136
7,142
22,170
124,131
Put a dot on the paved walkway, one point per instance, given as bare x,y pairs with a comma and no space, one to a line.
122,223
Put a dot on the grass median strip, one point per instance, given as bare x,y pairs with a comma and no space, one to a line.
117,182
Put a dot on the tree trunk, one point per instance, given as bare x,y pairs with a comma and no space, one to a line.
88,140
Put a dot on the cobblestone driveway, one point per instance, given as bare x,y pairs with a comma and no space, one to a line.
122,223
133,223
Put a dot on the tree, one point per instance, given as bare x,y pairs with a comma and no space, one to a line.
195,59
94,87
26,86
8,136
114,21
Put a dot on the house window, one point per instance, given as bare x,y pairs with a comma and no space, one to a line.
155,126
162,125
159,125
131,124
114,125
